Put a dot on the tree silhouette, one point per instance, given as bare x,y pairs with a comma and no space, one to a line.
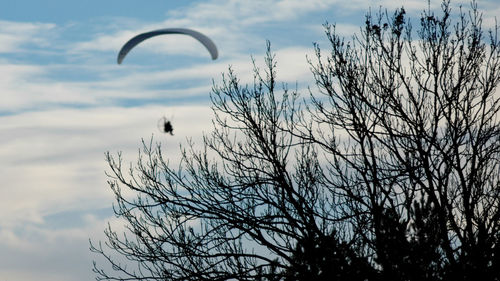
388,171
422,123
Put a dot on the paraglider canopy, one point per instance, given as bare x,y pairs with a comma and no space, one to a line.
203,39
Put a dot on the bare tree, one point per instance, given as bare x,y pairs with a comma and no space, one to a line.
389,171
419,167
237,215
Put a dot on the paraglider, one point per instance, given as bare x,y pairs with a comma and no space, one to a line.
165,126
203,39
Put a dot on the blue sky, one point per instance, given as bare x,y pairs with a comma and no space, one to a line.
65,101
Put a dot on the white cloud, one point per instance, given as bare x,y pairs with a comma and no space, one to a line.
13,35
26,85
252,12
38,253
33,86
229,23
54,160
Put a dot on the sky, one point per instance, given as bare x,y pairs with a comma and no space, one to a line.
64,101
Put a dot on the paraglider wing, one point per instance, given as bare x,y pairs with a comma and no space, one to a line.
209,44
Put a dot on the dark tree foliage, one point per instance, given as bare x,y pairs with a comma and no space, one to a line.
390,170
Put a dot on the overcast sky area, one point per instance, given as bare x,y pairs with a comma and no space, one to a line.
64,101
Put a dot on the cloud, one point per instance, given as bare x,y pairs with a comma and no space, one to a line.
248,12
55,195
14,35
35,252
24,86
42,87
54,160
253,12
28,87
233,25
